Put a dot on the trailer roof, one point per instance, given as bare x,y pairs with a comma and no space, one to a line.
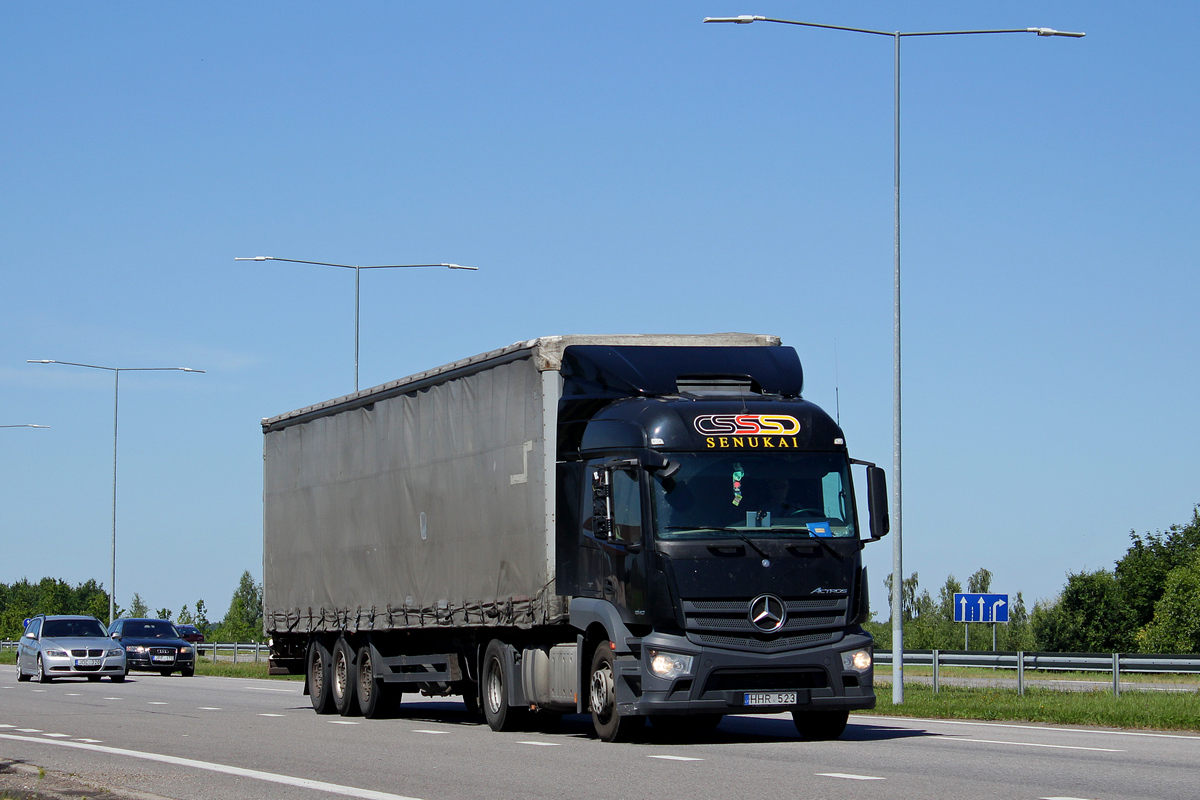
547,352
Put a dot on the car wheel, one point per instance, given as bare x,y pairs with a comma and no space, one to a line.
818,726
119,678
41,671
345,679
21,676
319,677
499,714
602,698
166,673
188,672
93,678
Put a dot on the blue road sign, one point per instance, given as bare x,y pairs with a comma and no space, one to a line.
980,608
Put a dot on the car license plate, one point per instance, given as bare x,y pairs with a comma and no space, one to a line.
769,699
87,662
163,658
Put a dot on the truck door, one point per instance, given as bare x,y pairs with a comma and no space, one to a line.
613,530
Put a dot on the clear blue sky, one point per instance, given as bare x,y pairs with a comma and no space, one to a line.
611,167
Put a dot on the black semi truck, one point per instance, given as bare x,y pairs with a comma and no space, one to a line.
639,527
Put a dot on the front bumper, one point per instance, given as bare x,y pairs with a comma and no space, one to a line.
75,666
153,662
721,678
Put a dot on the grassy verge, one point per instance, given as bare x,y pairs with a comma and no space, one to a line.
242,669
1148,710
1042,675
8,657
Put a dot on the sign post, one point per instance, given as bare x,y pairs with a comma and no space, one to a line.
973,607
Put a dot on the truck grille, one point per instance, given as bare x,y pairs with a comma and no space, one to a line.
726,623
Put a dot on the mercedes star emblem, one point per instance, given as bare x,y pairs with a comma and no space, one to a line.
767,613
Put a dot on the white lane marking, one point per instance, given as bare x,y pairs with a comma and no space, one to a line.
342,722
543,744
29,730
1030,727
58,735
74,694
40,690
848,776
1037,744
156,703
422,730
92,741
287,780
1063,798
270,715
8,726
114,698
267,689
207,708
676,758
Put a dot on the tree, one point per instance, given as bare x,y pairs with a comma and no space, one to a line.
163,613
1090,616
1176,624
980,582
202,623
243,621
946,597
138,608
185,616
1142,573
908,595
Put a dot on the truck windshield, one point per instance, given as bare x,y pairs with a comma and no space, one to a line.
780,495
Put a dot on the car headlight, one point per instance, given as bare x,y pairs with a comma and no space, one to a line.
669,665
186,651
56,653
135,648
116,651
857,661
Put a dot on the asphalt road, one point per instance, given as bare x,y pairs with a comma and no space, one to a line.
209,738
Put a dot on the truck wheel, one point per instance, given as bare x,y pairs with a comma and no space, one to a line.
602,698
817,726
375,698
319,677
345,679
494,690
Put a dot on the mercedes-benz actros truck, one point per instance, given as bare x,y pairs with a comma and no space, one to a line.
636,527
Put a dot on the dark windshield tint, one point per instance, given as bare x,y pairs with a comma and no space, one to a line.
149,629
69,628
785,494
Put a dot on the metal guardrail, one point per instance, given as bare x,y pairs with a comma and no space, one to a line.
1114,663
246,650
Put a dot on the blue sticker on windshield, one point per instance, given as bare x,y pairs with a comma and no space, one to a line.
820,528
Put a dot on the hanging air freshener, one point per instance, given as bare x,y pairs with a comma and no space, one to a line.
738,474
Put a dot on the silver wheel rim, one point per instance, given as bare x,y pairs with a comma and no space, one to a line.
339,674
602,693
366,683
318,673
495,688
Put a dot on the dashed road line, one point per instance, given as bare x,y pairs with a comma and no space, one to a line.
342,722
90,741
287,780
156,703
543,744
676,758
266,689
207,708
851,777
58,735
422,730
29,730
271,715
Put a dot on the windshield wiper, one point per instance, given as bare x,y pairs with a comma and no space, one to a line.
739,534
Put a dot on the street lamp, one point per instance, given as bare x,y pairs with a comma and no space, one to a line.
116,371
356,269
897,573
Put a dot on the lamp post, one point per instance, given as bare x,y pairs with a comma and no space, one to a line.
116,371
357,268
897,549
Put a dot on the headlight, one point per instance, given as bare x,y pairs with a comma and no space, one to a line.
56,653
669,665
857,661
185,651
135,648
116,651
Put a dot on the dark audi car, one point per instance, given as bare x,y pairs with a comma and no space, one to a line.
153,645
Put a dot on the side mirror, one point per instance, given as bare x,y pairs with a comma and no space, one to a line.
877,502
602,525
30,636
115,635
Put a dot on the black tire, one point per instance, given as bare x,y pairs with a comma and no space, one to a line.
376,699
344,679
819,726
166,673
21,676
493,687
187,672
602,700
319,675
685,726
93,678
41,671
119,678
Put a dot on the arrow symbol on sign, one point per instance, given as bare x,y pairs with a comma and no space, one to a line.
996,605
981,609
963,602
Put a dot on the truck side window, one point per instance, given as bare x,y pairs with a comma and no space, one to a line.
627,506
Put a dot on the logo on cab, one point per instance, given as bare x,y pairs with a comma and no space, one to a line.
747,425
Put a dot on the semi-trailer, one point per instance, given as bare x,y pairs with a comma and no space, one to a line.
639,527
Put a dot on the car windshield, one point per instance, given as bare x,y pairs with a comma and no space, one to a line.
149,629
787,494
71,628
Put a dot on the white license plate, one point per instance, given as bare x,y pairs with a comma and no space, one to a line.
162,658
87,662
769,699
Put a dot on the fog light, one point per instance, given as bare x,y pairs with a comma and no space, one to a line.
669,665
857,661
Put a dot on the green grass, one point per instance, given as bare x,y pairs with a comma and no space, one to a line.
8,657
242,669
1146,710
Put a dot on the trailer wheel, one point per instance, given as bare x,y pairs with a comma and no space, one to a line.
344,681
320,677
494,690
375,698
818,726
602,698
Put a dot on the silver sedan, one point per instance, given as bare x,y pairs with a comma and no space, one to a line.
68,647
